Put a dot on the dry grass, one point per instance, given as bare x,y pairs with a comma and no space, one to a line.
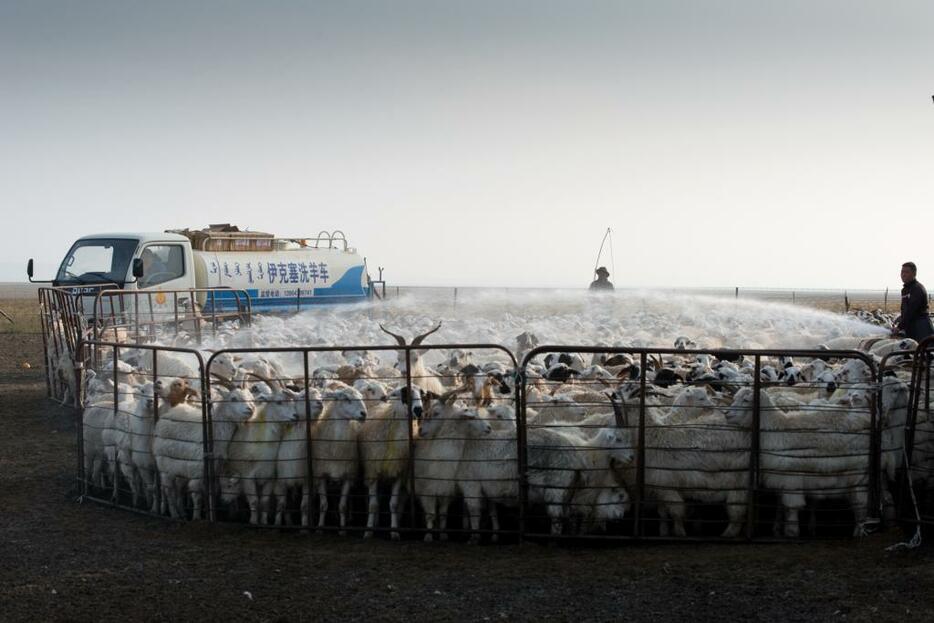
24,313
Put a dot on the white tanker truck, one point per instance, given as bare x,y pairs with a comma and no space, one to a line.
277,273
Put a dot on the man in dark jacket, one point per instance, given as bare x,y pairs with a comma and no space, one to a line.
602,283
914,321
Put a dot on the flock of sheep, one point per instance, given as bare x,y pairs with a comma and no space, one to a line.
277,441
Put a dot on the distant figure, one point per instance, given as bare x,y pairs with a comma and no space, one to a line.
602,283
914,321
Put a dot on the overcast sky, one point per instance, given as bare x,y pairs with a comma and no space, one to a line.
782,144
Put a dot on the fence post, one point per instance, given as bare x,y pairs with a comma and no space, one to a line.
305,508
521,456
736,293
157,491
753,483
846,302
455,298
885,302
210,492
640,450
412,495
113,496
875,448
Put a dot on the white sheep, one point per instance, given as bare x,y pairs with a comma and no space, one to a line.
170,363
560,463
132,437
488,469
698,458
894,417
443,431
292,458
384,440
97,422
178,445
334,447
254,448
809,455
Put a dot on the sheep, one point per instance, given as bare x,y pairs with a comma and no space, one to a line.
334,447
97,422
132,438
488,467
854,371
894,417
254,448
170,363
178,448
809,455
175,392
373,392
691,403
421,376
292,456
571,360
100,388
443,431
488,472
455,363
884,347
525,342
810,371
699,458
126,373
560,463
141,426
63,374
557,408
384,440
595,503
842,343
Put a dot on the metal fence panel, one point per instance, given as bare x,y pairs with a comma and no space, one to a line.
687,468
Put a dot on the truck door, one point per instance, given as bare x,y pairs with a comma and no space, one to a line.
165,267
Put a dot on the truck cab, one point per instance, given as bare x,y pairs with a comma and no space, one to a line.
162,260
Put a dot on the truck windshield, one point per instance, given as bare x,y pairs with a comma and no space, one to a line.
98,260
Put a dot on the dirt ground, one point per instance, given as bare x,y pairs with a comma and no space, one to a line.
60,560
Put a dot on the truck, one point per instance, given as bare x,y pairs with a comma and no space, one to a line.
218,262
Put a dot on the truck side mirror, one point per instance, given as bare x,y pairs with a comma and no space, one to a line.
29,268
137,267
